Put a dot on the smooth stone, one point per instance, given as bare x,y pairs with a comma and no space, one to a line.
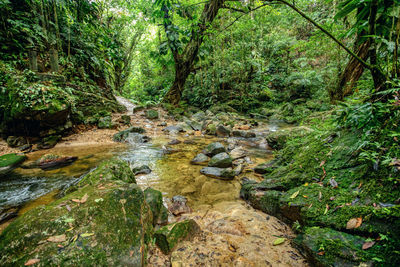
144,169
200,159
178,206
238,153
174,142
218,173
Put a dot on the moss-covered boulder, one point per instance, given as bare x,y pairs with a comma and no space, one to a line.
8,162
219,173
125,119
170,235
152,114
105,222
327,247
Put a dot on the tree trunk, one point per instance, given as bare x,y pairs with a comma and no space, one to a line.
351,74
182,72
184,61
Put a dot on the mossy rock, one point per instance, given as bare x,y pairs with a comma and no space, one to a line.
107,222
105,123
327,247
49,142
8,162
114,169
211,129
214,149
170,235
154,200
221,160
152,114
126,120
122,135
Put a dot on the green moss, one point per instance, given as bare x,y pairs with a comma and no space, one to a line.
152,114
168,236
13,159
111,226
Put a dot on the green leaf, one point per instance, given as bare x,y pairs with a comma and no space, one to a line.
279,241
295,194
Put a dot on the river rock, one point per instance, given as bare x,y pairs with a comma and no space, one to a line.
244,134
125,119
197,126
52,162
219,173
154,200
49,142
199,116
223,131
211,129
174,142
214,149
122,135
16,141
264,168
238,153
200,159
221,160
170,235
346,252
8,162
144,169
173,129
152,114
178,206
110,227
105,123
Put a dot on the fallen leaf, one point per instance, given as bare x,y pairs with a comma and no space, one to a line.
321,253
31,262
76,200
359,222
244,127
322,163
319,196
57,238
279,241
354,223
305,196
332,198
87,234
68,207
295,194
367,245
333,183
306,184
326,209
84,198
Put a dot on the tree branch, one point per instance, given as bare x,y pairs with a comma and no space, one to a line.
301,13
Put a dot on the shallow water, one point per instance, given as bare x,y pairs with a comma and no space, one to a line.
172,173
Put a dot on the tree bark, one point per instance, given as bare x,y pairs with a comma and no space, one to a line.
351,74
185,60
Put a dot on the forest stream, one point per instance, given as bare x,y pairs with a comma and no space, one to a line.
233,232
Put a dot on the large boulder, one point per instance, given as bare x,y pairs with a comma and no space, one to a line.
223,131
106,222
8,162
221,160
